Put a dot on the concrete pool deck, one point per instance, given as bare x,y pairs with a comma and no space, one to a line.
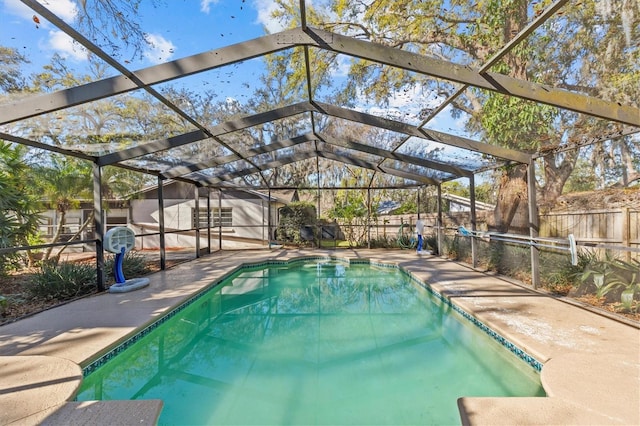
591,362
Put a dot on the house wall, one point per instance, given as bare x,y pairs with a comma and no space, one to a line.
74,219
249,221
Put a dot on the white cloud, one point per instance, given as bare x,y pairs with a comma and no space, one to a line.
205,5
159,49
65,46
56,40
17,8
344,65
265,8
64,9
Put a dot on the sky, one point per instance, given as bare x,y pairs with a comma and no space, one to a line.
175,28
180,28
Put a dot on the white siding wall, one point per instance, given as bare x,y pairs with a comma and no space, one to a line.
248,218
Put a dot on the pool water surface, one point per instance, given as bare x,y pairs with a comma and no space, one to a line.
315,342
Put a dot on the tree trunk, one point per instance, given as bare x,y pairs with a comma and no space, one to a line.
512,207
629,171
56,236
556,176
515,22
31,259
82,228
511,212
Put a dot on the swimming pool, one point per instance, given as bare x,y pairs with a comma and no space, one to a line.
313,342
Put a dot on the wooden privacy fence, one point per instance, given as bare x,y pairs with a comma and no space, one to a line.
614,229
605,228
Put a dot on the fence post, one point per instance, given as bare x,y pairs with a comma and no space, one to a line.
197,219
208,220
626,231
534,225
98,225
439,222
162,236
472,199
220,219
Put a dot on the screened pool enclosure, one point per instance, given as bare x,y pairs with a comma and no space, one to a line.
369,96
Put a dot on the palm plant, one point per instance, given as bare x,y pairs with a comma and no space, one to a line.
18,209
63,184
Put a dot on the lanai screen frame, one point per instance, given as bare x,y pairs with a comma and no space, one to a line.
306,37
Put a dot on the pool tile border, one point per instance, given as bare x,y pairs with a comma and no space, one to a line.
93,366
537,365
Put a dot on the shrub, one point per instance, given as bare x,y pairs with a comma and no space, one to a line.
134,265
557,273
451,247
383,242
63,281
431,243
295,218
457,248
510,259
611,278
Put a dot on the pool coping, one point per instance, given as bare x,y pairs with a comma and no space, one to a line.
571,342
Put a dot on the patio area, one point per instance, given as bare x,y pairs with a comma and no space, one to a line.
591,361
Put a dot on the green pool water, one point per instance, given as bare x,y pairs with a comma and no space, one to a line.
313,343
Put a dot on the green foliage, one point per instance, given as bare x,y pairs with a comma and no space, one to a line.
406,237
453,248
62,281
64,182
484,191
595,273
431,243
11,79
509,259
350,209
612,277
409,206
293,217
583,178
349,204
556,55
629,301
383,242
557,274
516,123
134,265
18,209
456,187
120,183
4,304
9,304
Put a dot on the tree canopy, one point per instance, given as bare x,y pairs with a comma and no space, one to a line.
592,49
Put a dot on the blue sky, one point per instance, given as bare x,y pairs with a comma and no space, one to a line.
179,28
175,28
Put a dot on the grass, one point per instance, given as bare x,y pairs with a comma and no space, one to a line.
334,243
